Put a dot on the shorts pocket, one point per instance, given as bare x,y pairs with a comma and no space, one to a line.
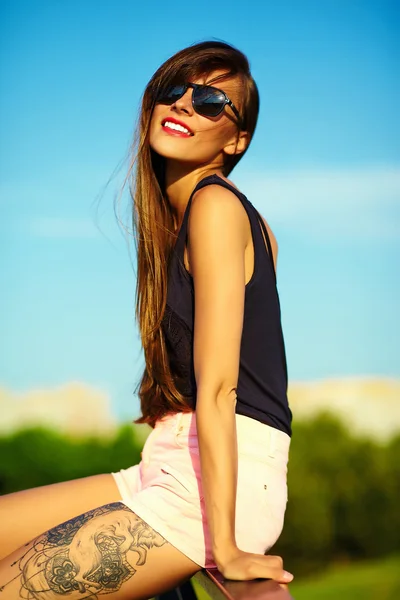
189,486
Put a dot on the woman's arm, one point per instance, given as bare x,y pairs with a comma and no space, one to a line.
218,231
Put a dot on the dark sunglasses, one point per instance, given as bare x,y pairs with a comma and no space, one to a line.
207,100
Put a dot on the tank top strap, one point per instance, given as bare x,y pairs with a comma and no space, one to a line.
215,179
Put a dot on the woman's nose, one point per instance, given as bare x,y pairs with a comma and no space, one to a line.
184,104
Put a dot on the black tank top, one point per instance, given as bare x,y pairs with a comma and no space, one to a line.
262,383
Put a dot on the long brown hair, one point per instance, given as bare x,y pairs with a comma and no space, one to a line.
153,221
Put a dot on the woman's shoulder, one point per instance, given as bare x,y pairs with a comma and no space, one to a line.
217,203
271,235
213,201
211,190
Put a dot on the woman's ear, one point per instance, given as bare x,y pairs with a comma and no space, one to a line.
238,144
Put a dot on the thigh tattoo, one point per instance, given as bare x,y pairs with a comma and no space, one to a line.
86,554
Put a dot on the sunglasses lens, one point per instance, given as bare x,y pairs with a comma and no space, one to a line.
208,101
171,94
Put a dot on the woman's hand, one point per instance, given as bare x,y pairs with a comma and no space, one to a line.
241,565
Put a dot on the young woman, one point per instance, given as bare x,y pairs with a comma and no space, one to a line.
211,487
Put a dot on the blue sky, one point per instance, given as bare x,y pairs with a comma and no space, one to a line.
324,169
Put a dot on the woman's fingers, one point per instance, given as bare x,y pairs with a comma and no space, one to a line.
253,566
270,571
241,566
271,567
275,561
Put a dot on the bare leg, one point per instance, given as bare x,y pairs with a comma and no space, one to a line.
108,550
24,515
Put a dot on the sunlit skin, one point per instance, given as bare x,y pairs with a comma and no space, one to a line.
189,158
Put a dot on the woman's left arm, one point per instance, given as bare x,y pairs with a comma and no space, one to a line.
218,233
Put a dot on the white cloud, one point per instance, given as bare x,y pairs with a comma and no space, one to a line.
65,408
360,203
369,405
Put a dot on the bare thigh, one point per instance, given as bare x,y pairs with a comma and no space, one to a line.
24,515
108,550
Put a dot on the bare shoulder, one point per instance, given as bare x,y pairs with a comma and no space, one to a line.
274,242
214,207
217,205
210,192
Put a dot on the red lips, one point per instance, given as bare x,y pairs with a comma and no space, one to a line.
175,131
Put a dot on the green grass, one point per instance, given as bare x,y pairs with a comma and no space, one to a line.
372,580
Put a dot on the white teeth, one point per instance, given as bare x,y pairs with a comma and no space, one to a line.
176,127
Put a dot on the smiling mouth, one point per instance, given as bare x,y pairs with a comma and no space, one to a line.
176,128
